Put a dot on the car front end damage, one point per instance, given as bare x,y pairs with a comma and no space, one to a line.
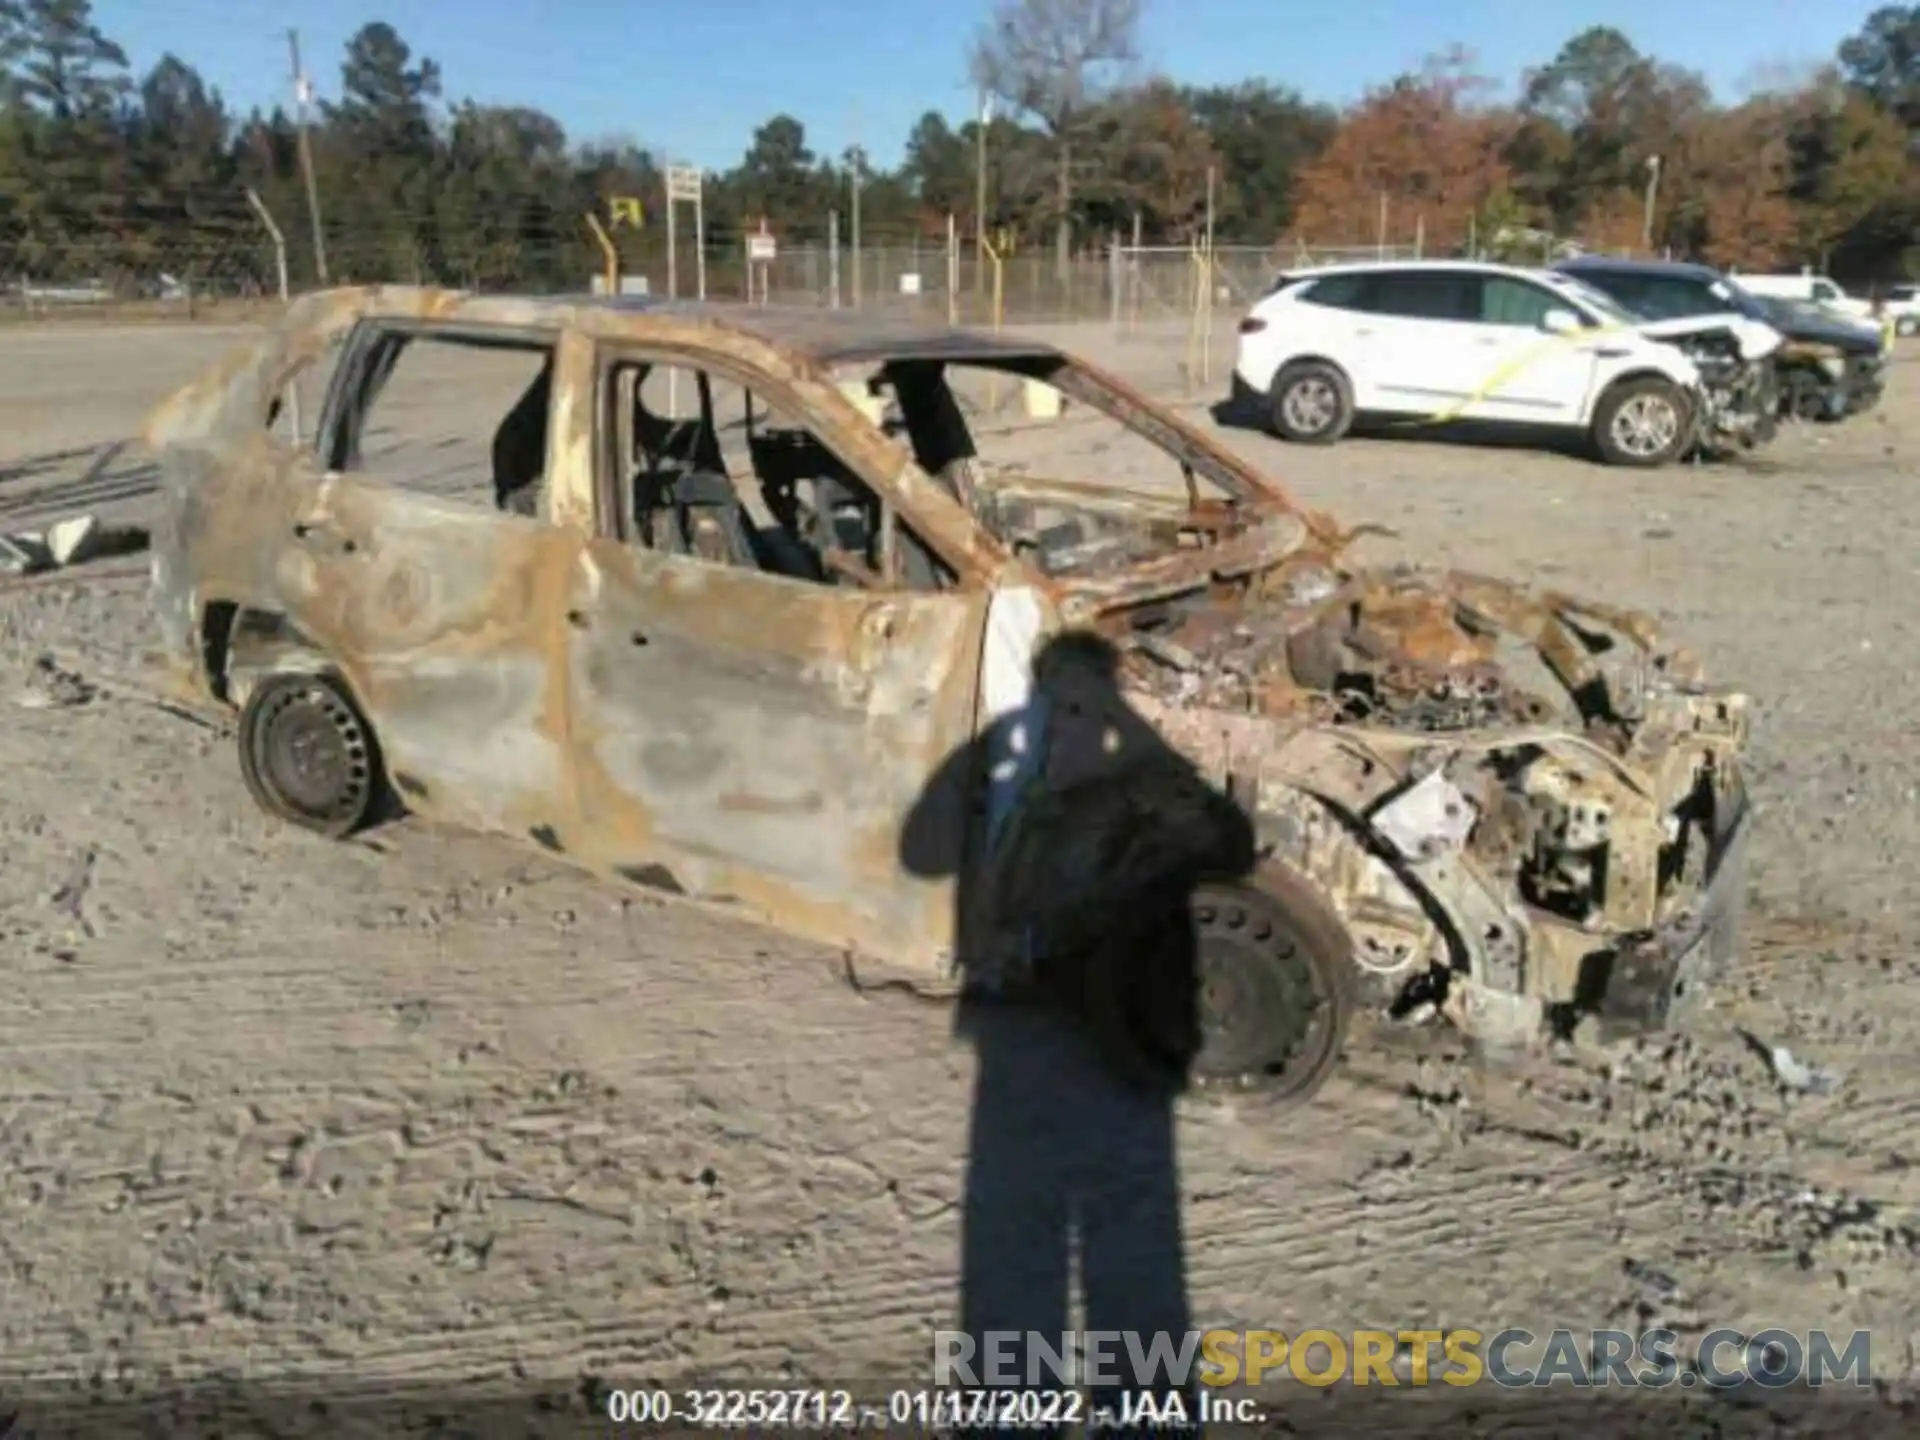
1864,380
1737,399
1830,367
1515,864
1821,381
1514,861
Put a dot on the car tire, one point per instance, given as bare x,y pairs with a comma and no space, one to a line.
1802,397
1266,1015
1644,423
1312,403
308,755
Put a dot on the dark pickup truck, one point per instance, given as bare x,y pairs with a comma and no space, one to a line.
1829,368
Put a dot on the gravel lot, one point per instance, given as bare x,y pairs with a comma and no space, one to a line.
426,1106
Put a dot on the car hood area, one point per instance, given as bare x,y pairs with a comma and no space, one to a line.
1754,339
1809,325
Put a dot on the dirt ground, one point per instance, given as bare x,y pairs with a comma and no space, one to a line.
427,1106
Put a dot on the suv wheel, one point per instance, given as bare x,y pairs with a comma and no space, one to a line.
1643,423
1312,403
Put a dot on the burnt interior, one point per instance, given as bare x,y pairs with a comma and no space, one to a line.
1308,635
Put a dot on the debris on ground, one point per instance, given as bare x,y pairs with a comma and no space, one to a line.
72,541
1791,1071
50,687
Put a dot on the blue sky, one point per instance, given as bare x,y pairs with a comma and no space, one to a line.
693,79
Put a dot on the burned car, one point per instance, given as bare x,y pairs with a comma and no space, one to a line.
738,604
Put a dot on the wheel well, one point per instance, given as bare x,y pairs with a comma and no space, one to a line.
1334,365
239,642
1646,373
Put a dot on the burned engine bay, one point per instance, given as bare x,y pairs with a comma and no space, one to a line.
1517,802
1522,807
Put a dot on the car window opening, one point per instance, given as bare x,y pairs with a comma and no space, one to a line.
1021,474
391,417
711,471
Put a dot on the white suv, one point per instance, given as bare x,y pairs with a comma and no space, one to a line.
1455,340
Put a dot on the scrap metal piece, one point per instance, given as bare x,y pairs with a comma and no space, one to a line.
24,555
1428,817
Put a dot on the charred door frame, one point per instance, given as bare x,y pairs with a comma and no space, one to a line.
848,659
441,615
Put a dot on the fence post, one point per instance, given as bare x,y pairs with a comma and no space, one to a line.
953,271
999,309
1113,282
1196,299
1134,277
609,250
833,258
1212,284
286,295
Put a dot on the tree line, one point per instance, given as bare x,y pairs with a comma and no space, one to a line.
105,175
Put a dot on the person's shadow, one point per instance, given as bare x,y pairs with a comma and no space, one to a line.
1089,834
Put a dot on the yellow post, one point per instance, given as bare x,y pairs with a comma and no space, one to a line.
1195,312
999,315
1210,278
608,249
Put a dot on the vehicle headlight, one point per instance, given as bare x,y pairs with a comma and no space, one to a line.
1832,366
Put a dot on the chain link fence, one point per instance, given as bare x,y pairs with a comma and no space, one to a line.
243,266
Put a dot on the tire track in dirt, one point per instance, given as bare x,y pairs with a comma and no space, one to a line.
1316,1238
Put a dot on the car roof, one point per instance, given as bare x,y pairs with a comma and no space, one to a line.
1374,267
825,337
833,336
1608,264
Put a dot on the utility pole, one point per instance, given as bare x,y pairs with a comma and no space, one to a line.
980,194
302,92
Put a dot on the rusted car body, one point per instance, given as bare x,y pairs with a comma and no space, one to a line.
685,715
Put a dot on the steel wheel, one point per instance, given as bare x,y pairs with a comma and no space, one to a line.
1269,1016
1646,425
1255,1000
307,755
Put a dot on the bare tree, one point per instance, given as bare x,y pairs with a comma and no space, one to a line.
1055,60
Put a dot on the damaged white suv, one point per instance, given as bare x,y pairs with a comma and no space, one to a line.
1431,342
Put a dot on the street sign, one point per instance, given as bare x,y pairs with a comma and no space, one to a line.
761,247
683,182
627,210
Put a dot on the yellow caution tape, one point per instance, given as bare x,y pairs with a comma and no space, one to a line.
1518,364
